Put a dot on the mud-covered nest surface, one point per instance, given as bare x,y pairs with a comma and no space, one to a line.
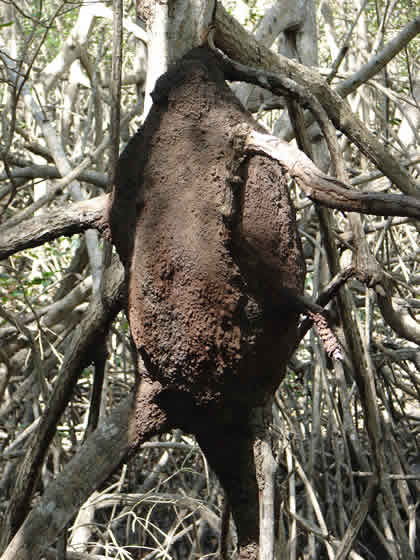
206,242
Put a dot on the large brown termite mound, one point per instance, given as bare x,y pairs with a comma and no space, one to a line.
211,250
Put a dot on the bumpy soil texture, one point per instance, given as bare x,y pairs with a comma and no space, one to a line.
207,248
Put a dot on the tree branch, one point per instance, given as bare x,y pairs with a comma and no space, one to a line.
51,172
320,187
399,319
117,437
81,352
231,38
381,59
102,454
67,220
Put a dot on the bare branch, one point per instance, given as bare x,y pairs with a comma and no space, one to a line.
380,60
81,352
232,39
68,220
51,172
322,188
102,454
77,40
399,319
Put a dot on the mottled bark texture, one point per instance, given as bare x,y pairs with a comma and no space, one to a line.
208,239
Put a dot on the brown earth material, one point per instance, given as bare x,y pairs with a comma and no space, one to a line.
208,241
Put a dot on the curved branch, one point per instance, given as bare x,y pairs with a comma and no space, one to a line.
68,220
381,59
241,46
322,188
399,319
